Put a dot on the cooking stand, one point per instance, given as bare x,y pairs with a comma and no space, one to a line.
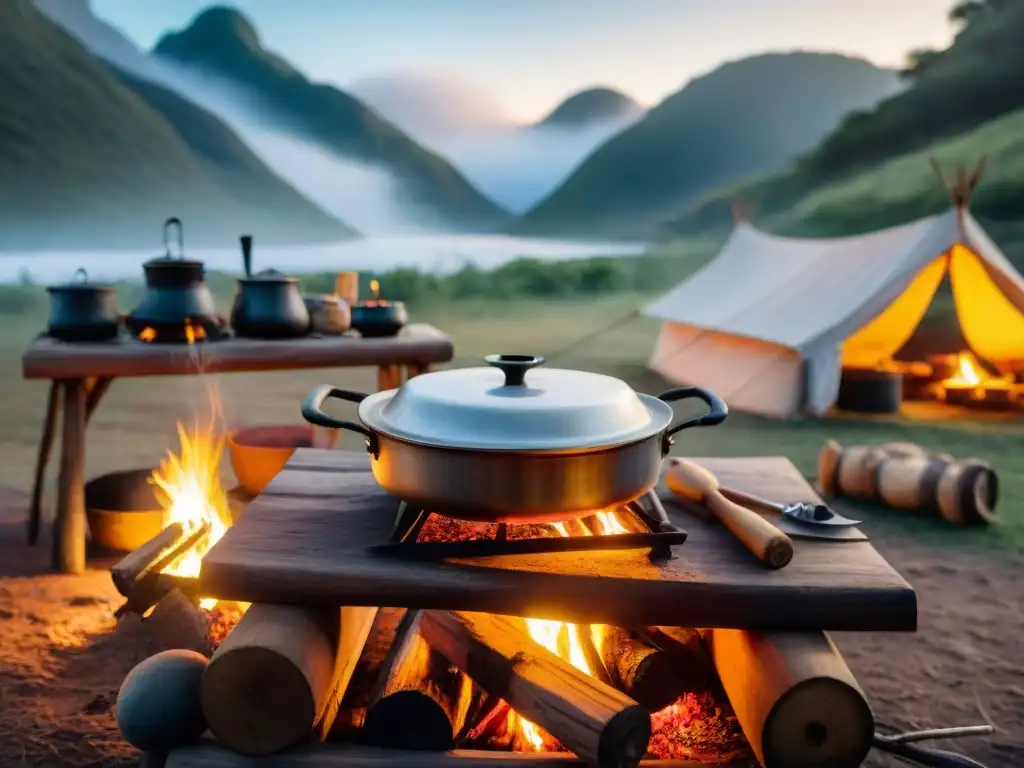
660,537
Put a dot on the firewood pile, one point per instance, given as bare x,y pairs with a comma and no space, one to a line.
316,687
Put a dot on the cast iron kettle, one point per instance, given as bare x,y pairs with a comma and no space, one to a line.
83,311
268,305
513,442
176,294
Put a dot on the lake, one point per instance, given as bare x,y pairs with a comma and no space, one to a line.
436,253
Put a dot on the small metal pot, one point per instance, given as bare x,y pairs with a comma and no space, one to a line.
512,444
379,319
83,311
176,294
268,305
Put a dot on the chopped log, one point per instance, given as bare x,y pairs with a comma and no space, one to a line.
421,701
279,673
687,648
179,622
368,670
643,672
795,698
139,575
313,755
905,476
601,725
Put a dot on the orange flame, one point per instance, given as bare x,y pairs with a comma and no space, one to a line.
192,494
968,373
561,638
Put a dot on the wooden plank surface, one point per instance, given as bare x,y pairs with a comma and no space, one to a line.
303,541
313,755
46,358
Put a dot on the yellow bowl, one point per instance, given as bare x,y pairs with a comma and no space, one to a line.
259,453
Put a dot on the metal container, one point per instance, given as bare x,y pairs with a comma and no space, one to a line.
268,305
509,443
379,319
83,311
176,294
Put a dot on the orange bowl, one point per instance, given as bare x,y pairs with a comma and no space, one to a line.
259,453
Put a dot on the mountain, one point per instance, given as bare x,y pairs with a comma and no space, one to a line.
431,106
594,105
84,161
76,17
747,116
221,43
963,104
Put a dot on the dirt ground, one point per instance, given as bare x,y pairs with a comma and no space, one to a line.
63,656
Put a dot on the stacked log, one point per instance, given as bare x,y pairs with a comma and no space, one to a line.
906,476
280,675
596,722
796,700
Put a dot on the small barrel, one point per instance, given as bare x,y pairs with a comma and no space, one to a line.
962,492
865,390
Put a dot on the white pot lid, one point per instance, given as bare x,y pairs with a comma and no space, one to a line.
514,405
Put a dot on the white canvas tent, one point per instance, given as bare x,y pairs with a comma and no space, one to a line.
769,323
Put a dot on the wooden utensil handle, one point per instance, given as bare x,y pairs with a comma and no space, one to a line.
770,545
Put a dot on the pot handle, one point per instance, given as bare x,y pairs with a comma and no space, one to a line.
81,276
174,222
312,411
717,411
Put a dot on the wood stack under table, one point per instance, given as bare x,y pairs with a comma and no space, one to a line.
451,667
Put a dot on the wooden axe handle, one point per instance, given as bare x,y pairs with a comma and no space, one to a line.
766,542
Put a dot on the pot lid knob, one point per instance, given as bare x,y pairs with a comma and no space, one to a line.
514,367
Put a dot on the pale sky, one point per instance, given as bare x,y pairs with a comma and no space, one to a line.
530,54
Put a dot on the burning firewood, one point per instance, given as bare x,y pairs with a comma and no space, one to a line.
139,575
280,674
645,673
687,648
795,698
599,724
421,701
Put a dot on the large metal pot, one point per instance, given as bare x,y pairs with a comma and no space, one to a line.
513,444
268,305
176,294
83,311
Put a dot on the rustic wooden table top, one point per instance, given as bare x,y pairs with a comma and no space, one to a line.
47,358
303,541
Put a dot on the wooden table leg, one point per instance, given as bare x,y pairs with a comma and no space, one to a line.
35,510
70,525
388,377
95,393
415,369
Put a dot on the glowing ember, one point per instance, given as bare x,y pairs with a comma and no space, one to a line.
147,334
191,493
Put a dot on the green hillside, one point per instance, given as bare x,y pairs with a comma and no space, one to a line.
222,42
747,116
590,106
86,162
875,170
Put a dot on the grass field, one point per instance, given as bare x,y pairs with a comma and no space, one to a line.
136,423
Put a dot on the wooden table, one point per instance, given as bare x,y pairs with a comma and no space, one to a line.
304,541
80,375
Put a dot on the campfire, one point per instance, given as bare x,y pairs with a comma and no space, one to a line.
159,578
972,385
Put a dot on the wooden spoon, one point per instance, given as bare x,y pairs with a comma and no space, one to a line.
691,481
